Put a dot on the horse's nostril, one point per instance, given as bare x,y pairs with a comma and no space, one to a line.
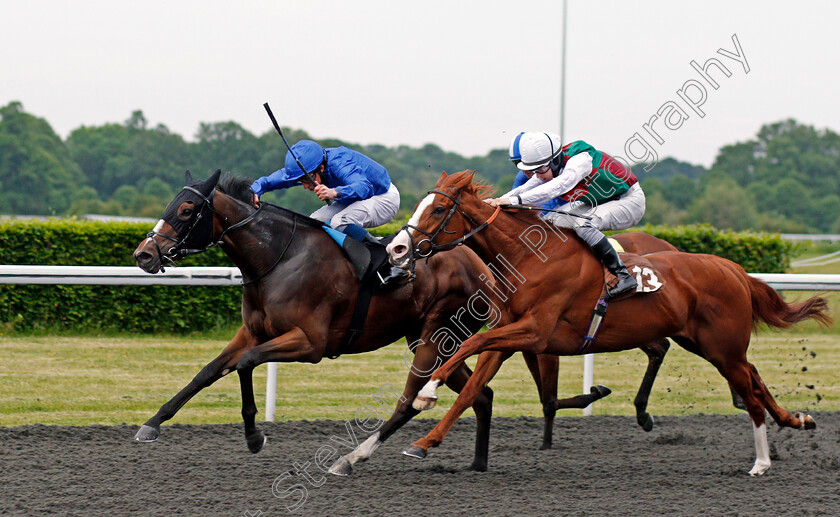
400,249
142,257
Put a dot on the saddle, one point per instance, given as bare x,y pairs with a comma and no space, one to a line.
647,281
370,263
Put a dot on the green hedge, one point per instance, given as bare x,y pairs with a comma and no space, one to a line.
755,252
73,242
186,309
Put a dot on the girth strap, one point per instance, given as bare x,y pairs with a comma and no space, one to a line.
369,287
595,324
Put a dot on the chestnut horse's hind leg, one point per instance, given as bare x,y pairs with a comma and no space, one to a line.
737,401
213,371
656,353
782,416
745,380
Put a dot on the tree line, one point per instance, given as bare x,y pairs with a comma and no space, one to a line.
785,179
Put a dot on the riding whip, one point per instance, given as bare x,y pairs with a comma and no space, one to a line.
309,176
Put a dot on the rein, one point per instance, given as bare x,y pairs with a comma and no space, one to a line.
430,238
554,210
282,254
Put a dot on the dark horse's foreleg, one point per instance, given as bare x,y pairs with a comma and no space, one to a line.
426,360
213,371
545,369
291,346
655,351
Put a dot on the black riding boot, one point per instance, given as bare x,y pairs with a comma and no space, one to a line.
609,257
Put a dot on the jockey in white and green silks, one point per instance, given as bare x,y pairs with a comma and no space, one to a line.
594,184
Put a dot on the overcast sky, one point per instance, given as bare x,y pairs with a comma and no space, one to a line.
465,75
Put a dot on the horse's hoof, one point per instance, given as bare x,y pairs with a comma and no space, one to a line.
478,467
807,422
256,442
423,403
147,434
341,467
545,446
600,390
646,422
415,452
759,468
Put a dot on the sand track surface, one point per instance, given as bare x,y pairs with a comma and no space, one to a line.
693,465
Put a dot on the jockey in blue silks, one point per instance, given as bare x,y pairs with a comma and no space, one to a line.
361,189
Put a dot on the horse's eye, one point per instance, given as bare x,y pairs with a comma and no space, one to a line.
439,210
186,211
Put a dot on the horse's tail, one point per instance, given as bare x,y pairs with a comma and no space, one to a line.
768,307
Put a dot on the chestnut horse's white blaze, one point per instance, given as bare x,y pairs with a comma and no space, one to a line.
399,248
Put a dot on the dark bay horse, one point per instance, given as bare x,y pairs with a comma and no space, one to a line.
708,305
298,298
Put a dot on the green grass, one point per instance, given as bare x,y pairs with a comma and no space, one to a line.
113,378
809,250
124,379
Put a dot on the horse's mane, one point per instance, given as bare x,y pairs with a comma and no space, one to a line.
482,191
239,187
477,187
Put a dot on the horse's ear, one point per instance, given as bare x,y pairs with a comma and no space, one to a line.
443,176
465,179
188,178
208,186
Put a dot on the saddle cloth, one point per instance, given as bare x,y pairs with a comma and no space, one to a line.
647,280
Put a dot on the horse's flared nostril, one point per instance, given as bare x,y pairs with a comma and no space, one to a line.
399,250
142,257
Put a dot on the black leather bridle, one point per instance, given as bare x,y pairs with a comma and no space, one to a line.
431,237
178,251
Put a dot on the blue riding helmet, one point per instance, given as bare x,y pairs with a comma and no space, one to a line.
310,154
513,151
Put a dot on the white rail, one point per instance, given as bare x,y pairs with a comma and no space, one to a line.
114,275
129,275
118,275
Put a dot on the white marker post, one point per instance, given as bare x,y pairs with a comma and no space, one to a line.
270,392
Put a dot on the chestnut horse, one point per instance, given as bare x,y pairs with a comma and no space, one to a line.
298,299
545,369
708,305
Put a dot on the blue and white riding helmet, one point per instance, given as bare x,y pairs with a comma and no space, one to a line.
513,151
